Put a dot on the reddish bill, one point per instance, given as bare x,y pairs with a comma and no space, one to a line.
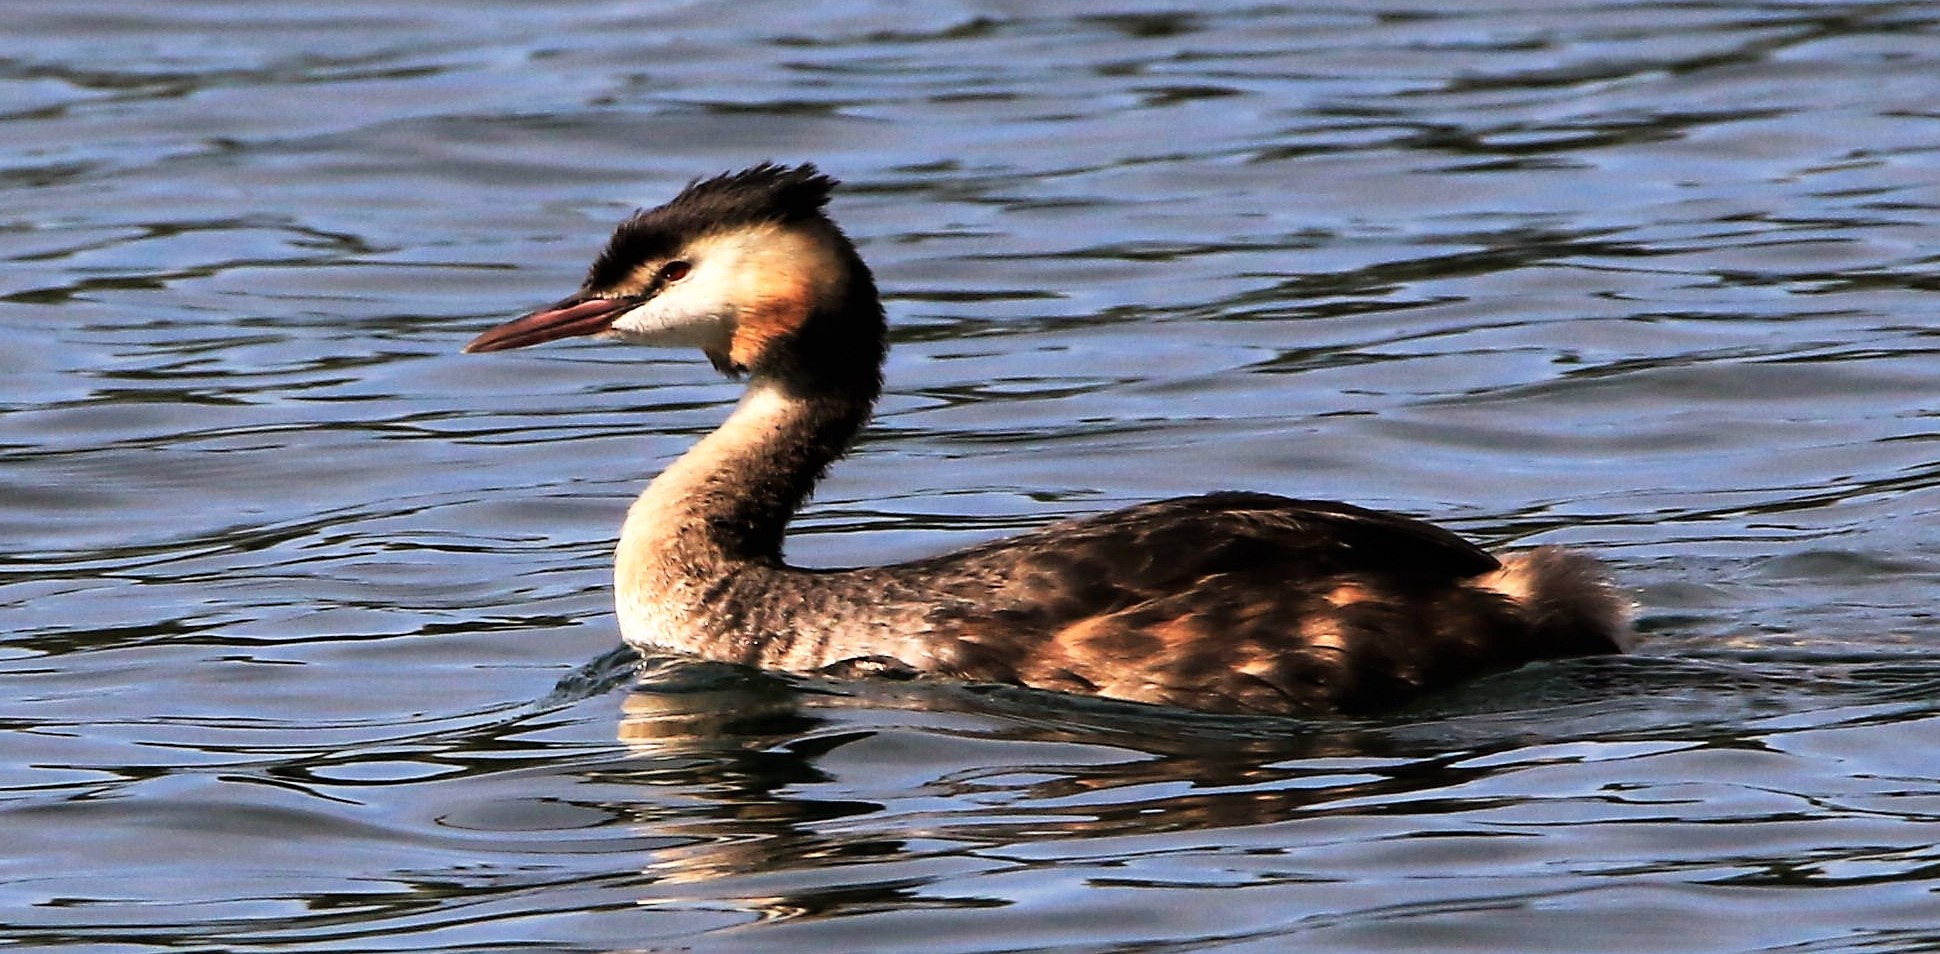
570,318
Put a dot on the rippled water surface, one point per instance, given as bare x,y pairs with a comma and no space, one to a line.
307,639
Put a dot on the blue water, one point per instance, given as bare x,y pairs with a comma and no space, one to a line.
307,642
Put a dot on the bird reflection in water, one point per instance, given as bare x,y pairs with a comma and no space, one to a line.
920,812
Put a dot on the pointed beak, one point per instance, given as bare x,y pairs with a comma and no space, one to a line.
570,318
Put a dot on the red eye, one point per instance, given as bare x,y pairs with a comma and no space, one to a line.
675,271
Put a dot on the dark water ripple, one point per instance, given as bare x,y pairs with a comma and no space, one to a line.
307,640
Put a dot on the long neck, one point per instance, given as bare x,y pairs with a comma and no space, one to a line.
708,530
730,497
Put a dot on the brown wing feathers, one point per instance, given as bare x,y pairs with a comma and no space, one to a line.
1238,602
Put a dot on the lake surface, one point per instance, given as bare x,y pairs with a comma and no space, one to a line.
307,637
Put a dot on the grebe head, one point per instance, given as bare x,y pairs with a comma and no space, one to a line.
745,266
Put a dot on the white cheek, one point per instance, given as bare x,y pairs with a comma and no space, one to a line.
689,314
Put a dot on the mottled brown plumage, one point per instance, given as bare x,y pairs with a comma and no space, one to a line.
1236,602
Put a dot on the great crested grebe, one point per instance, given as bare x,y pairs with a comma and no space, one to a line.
1230,602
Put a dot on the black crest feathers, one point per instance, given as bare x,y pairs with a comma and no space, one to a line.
763,193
